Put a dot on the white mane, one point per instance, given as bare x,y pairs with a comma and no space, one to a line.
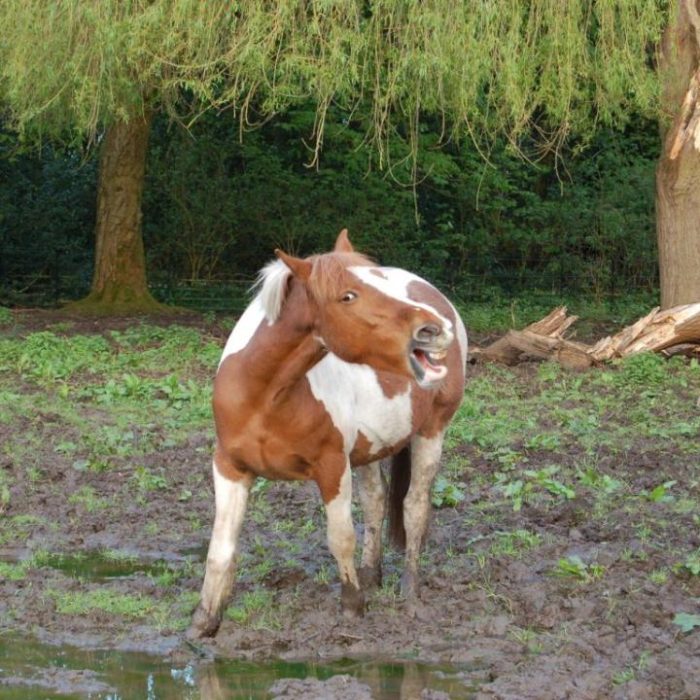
272,286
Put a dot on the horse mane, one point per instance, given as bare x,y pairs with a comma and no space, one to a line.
327,280
271,286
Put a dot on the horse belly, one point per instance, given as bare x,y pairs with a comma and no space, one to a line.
280,444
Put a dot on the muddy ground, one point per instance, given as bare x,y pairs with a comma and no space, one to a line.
496,604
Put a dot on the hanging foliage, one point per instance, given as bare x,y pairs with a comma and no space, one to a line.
489,67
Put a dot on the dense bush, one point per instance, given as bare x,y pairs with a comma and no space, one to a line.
215,206
47,211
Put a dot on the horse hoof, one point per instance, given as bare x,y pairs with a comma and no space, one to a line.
203,624
352,601
370,577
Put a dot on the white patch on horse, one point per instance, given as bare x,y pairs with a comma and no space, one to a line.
267,304
341,533
244,329
462,340
425,462
231,498
355,402
394,282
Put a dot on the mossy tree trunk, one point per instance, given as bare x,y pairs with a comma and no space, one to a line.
119,279
678,170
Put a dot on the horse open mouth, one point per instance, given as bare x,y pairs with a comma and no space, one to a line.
426,365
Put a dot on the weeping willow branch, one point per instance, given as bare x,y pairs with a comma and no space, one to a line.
485,68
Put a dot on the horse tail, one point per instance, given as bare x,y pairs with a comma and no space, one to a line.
400,480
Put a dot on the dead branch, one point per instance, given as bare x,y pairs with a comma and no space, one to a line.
658,331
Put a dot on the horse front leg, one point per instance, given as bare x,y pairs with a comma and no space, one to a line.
373,499
231,497
335,484
425,462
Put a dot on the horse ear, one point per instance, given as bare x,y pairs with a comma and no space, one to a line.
342,243
300,268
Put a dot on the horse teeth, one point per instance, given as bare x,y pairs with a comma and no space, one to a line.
439,355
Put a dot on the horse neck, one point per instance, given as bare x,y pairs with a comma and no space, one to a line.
287,349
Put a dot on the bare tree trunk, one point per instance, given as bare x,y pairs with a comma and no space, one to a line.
119,278
678,170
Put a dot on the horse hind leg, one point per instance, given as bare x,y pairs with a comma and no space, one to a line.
231,497
341,536
425,462
373,499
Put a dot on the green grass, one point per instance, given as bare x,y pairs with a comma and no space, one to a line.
103,599
499,314
13,572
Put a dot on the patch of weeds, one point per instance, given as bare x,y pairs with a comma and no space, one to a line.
13,572
691,564
65,447
685,505
261,569
4,491
628,555
167,577
195,523
102,598
324,575
549,371
660,493
659,576
519,490
254,608
574,567
18,527
509,458
117,555
5,316
43,557
179,613
145,480
387,596
528,638
544,441
597,481
48,358
88,498
642,370
515,543
447,494
686,621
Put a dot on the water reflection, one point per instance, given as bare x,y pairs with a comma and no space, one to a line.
30,669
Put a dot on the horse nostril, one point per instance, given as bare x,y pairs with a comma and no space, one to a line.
427,332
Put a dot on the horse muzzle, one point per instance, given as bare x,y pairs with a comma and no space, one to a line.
427,353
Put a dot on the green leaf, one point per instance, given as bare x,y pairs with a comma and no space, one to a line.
686,621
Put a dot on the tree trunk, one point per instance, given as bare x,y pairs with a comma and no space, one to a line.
678,170
119,278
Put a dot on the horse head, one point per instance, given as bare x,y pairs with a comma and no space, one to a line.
364,314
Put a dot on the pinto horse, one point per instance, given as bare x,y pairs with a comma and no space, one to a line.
336,364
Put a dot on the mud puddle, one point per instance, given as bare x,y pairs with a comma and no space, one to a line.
30,669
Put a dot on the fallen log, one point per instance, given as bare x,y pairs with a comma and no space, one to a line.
671,331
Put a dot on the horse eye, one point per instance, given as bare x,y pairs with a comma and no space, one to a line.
348,297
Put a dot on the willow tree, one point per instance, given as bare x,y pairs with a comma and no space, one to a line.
508,68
